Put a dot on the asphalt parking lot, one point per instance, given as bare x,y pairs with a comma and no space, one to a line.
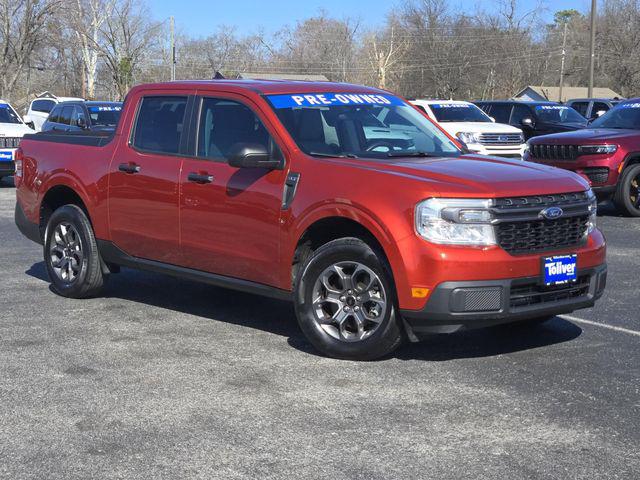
163,378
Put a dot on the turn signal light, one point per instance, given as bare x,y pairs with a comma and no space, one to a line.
418,292
18,158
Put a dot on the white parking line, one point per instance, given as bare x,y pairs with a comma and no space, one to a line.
602,325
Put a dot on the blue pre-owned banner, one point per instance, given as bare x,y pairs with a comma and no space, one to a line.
329,99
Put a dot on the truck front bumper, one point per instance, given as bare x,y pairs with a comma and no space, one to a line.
475,304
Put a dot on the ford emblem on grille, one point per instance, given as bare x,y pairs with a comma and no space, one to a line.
552,213
503,138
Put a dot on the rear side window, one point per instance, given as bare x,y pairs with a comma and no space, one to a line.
225,123
77,113
65,116
159,124
580,107
500,112
44,106
54,116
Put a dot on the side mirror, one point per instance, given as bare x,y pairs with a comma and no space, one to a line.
527,122
82,123
252,155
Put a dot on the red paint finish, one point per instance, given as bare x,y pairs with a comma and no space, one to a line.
235,226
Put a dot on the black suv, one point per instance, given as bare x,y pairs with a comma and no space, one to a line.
592,108
79,116
534,118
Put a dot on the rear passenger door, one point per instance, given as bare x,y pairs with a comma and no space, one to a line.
143,180
230,217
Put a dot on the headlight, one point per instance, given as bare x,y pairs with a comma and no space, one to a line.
593,211
468,137
527,147
597,149
455,221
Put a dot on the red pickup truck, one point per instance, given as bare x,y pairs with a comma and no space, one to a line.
342,198
607,154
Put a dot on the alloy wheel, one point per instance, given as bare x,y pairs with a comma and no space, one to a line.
65,252
349,301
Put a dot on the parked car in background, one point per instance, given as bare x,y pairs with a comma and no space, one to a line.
607,154
78,116
40,108
477,130
592,108
534,118
12,128
277,188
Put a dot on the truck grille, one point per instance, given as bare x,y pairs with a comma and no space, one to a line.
597,174
554,152
9,142
500,139
520,228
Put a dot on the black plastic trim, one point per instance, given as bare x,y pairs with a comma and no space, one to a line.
7,169
438,311
84,138
111,254
28,228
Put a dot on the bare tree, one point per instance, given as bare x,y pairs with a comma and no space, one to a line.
86,21
128,34
22,29
384,51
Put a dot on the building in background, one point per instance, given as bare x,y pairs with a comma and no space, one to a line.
534,93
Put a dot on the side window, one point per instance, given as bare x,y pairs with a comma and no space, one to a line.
519,113
224,123
500,112
44,106
580,107
77,113
54,116
159,124
598,107
65,116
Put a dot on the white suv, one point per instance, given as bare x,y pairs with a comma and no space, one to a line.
40,108
480,133
12,128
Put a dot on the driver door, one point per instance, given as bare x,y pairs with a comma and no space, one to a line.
230,217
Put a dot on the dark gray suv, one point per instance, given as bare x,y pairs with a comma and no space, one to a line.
83,116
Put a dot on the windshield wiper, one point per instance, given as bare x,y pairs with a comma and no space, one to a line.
333,155
410,154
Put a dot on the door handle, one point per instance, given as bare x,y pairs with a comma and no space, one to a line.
129,168
200,177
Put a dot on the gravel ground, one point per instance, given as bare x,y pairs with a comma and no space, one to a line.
164,378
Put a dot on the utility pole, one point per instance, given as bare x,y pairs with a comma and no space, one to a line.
173,49
592,47
564,46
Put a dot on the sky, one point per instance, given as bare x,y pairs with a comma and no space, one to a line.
200,18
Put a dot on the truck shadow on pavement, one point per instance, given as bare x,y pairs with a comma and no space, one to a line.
277,317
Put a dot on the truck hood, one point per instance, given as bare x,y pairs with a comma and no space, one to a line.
604,135
477,127
480,176
14,129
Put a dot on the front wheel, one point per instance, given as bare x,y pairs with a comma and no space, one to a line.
627,196
71,254
345,302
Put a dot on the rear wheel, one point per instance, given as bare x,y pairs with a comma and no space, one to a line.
627,196
71,254
345,302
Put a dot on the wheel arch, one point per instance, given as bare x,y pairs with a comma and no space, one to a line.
323,229
55,197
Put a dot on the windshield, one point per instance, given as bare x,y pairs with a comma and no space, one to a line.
359,125
626,115
558,114
105,115
8,115
458,112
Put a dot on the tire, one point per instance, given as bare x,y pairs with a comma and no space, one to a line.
347,274
69,241
627,196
